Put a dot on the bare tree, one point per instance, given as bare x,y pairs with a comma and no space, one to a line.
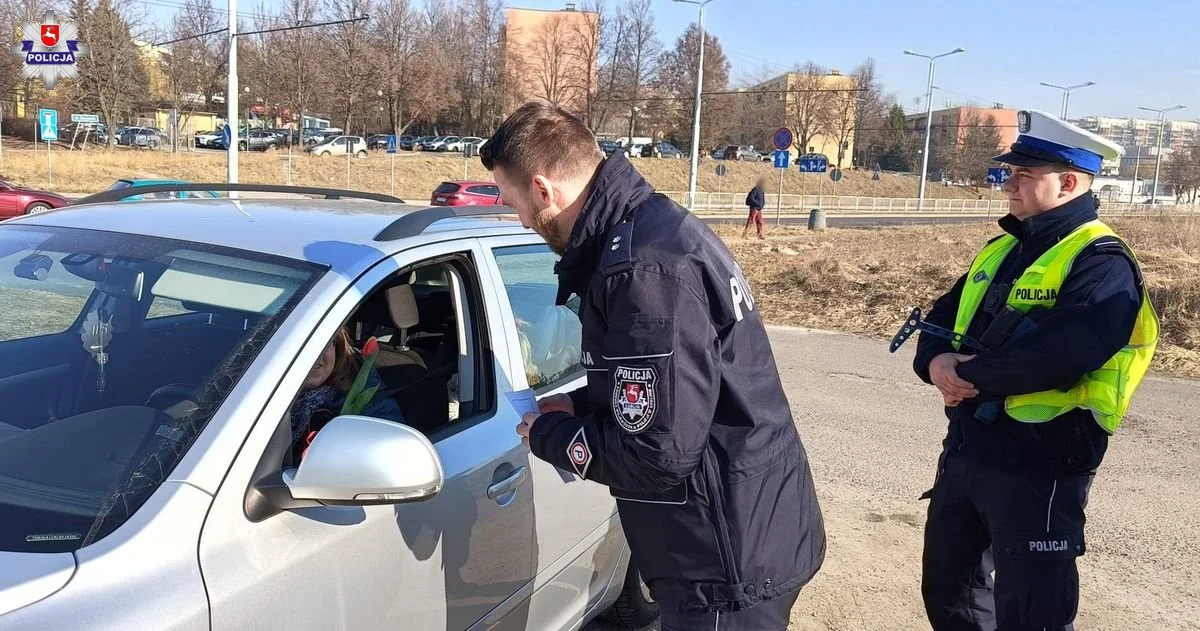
297,57
587,36
1182,170
677,78
186,68
351,58
809,102
641,50
475,35
549,61
415,66
107,81
612,39
871,127
841,117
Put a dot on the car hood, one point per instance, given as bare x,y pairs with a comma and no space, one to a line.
26,578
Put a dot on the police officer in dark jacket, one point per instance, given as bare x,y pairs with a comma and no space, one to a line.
684,417
1010,494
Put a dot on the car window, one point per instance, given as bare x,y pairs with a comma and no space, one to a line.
489,190
550,335
117,395
446,187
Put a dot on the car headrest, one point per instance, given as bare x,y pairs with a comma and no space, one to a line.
402,306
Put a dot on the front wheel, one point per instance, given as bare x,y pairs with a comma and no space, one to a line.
635,607
36,207
361,155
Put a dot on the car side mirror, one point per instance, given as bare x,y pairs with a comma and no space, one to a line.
363,461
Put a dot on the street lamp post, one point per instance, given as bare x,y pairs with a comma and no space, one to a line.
1066,89
696,113
928,119
231,99
1158,158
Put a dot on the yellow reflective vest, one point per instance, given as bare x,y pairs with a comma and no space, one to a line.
1107,391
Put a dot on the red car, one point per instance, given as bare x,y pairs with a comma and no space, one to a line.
16,201
466,193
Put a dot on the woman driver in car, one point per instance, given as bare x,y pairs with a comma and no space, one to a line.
326,388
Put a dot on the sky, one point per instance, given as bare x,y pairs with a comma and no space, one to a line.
1140,53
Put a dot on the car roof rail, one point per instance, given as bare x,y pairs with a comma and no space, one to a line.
328,193
416,222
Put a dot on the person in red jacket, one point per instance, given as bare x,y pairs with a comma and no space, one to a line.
756,199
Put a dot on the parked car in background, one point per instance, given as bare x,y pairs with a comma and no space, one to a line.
132,183
661,150
258,140
610,147
377,142
16,200
459,143
340,146
142,137
741,152
209,139
408,143
443,144
466,193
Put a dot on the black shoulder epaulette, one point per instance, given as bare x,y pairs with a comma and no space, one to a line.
997,237
1114,245
618,249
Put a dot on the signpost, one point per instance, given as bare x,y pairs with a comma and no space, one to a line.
721,171
835,174
391,149
783,143
49,134
783,139
875,178
226,136
998,175
813,163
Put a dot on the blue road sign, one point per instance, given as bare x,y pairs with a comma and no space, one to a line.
998,175
226,136
391,146
721,170
813,163
49,124
781,159
783,138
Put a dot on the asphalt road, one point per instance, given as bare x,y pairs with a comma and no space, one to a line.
873,432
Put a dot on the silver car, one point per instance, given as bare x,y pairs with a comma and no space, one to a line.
152,355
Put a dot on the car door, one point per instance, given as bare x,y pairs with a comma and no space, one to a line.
579,540
8,201
462,559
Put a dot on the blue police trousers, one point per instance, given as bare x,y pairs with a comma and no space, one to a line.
1028,529
768,615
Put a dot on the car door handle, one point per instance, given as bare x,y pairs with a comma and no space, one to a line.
507,485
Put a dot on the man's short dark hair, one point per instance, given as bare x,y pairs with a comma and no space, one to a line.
541,138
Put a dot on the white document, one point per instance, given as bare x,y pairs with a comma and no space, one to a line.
524,401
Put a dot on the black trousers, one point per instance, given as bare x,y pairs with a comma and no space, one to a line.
768,615
1027,528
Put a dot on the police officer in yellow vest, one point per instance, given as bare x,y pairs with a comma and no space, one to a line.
1061,334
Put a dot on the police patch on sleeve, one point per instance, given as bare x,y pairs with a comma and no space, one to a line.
635,397
579,453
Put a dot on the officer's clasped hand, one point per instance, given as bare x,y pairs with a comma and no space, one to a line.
557,403
944,376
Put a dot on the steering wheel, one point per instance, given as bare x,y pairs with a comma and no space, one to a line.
174,399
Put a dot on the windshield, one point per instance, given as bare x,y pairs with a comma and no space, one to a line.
115,351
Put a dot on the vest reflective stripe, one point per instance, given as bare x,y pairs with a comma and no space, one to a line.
1107,391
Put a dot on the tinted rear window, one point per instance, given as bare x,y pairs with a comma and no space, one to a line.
446,187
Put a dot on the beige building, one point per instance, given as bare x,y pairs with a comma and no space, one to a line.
822,107
956,122
552,55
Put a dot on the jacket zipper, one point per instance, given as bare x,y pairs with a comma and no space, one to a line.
724,545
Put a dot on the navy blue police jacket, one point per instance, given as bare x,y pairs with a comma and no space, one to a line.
683,417
1091,320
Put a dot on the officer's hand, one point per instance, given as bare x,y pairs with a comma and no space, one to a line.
556,403
943,375
526,425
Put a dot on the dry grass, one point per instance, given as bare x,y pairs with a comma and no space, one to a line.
416,174
866,281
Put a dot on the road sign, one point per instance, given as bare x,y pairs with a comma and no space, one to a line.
721,170
85,118
391,144
783,138
875,176
49,124
226,136
835,174
781,159
998,175
813,163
